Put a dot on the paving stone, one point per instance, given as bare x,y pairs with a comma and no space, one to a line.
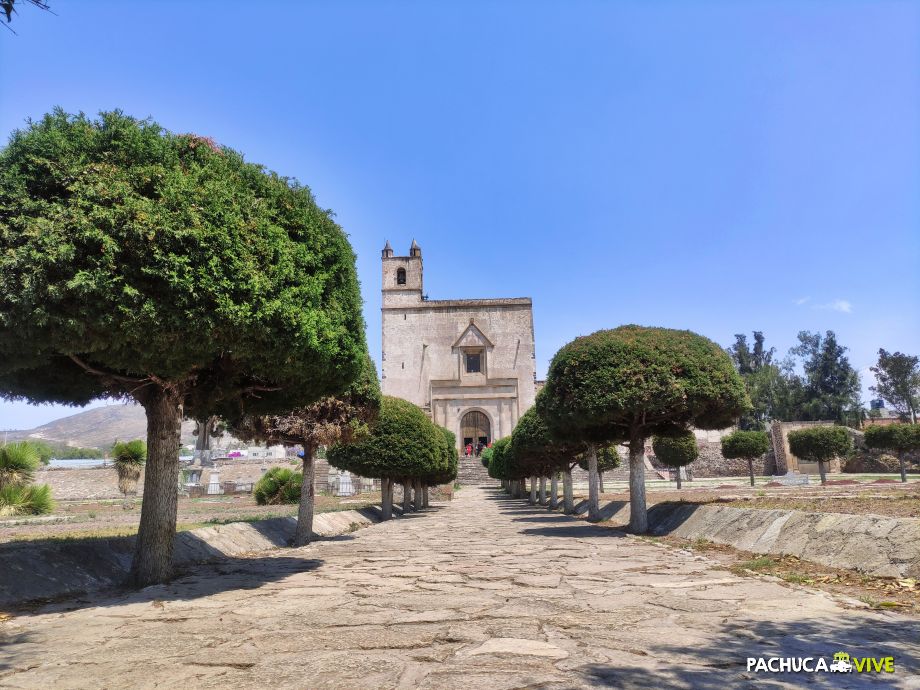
482,592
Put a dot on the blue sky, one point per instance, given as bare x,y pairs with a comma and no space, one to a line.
718,166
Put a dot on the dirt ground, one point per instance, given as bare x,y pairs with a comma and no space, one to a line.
886,498
107,518
901,594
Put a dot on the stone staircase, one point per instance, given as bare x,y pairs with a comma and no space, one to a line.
471,472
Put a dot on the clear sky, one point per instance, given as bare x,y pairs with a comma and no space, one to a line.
718,166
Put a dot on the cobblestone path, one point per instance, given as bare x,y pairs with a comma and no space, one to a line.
483,592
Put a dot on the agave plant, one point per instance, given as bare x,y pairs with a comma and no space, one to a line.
18,462
278,485
31,499
129,457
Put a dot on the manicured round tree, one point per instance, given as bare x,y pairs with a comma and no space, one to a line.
129,458
608,459
139,264
677,450
536,452
748,445
342,419
629,383
820,444
900,438
446,472
403,445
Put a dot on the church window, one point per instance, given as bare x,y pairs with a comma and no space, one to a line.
400,276
473,362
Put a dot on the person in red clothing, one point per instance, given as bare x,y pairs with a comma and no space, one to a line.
469,449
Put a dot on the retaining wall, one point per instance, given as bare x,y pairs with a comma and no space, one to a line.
56,568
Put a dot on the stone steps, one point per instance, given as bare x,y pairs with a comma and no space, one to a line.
470,472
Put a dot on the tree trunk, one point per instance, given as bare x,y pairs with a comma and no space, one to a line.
903,466
554,491
533,491
638,516
425,496
407,496
568,497
678,478
153,548
751,469
304,532
821,472
544,495
594,509
600,481
386,498
417,494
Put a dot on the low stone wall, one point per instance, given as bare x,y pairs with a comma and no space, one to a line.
870,544
43,570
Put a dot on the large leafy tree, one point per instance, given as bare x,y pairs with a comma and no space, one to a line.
900,438
632,382
831,384
136,263
538,454
898,381
342,419
763,379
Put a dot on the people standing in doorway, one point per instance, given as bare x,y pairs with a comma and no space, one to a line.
469,449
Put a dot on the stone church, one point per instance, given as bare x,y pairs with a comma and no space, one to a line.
469,363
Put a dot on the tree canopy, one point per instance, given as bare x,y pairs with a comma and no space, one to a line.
820,443
535,451
404,444
678,450
898,381
137,263
633,382
745,444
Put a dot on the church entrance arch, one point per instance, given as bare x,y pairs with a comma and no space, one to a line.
475,429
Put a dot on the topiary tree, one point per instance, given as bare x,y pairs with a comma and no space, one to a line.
446,472
277,486
403,445
485,456
139,264
499,464
629,383
676,451
820,444
341,419
129,458
900,438
18,496
747,445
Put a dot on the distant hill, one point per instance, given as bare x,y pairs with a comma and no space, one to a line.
97,428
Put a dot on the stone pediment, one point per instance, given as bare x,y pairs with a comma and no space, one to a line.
472,337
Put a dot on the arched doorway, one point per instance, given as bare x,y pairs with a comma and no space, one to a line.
475,430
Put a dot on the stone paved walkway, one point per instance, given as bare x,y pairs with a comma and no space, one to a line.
483,592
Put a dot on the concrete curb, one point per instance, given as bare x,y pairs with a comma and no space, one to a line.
870,544
51,569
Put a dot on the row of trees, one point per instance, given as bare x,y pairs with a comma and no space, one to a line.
622,387
816,381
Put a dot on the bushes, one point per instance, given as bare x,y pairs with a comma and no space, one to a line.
18,462
277,486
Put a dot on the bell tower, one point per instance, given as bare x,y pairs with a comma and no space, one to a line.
402,276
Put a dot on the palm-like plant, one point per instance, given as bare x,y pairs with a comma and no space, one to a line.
18,462
28,499
130,457
278,485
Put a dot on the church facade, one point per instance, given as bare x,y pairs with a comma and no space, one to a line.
469,363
